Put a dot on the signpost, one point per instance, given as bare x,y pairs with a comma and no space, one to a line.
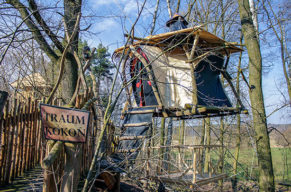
64,124
3,98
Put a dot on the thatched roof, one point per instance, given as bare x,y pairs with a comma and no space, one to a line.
32,80
207,39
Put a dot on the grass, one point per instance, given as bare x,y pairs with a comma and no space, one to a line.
248,168
281,158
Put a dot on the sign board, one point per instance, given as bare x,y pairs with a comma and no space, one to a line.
64,124
3,98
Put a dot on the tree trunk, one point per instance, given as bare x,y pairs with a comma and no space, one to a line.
266,175
72,167
71,10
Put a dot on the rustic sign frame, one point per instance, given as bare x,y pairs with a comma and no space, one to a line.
51,123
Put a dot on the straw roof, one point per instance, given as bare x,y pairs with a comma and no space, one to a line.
32,80
207,39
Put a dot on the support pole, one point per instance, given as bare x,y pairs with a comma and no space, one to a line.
194,166
162,143
190,57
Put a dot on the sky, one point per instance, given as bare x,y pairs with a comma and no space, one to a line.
111,33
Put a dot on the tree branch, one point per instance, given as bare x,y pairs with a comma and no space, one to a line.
34,29
13,36
62,63
45,27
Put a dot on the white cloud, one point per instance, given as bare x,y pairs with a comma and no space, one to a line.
98,3
101,2
106,24
130,7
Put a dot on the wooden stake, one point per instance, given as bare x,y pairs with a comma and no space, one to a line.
194,166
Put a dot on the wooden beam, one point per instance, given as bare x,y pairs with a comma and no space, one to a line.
137,124
141,111
187,146
126,150
131,138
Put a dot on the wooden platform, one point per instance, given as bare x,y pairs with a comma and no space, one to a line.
190,112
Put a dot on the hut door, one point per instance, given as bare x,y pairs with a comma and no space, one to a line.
142,86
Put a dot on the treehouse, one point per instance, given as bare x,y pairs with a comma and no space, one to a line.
180,73
175,74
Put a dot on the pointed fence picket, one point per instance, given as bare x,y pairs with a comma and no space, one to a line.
22,142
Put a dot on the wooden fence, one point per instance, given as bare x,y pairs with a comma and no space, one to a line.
23,145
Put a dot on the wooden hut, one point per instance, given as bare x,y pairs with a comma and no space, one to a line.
179,72
32,85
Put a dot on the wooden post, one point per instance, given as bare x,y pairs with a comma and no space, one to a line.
22,153
30,144
194,165
49,183
16,136
162,142
27,136
200,151
190,57
221,159
168,143
3,98
148,153
179,159
179,150
5,137
10,135
19,141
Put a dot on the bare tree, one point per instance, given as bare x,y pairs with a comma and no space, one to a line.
266,177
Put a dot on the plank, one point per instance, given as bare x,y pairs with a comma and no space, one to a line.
137,124
131,137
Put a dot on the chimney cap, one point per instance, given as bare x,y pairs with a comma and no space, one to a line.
175,17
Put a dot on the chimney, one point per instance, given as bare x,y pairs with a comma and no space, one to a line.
177,22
